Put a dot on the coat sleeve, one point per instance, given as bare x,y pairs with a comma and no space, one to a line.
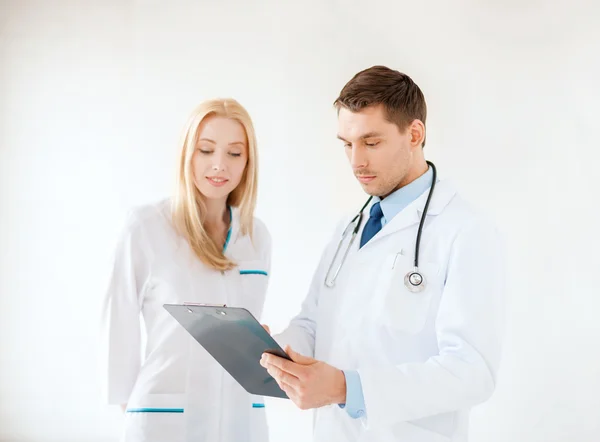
469,329
266,242
300,333
121,330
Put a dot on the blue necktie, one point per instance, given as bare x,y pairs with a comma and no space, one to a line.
373,224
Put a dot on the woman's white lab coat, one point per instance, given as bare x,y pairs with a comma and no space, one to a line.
424,359
176,391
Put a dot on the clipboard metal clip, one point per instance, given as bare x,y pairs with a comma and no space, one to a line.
198,304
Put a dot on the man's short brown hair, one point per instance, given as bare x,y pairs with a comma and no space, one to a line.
401,98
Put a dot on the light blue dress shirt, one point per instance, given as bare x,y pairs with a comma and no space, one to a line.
391,206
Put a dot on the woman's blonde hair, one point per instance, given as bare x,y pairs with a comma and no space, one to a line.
189,210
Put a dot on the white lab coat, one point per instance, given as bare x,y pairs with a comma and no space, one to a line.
154,266
424,359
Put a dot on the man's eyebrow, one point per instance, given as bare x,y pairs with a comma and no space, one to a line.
362,137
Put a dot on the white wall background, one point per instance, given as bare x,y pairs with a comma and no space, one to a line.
93,95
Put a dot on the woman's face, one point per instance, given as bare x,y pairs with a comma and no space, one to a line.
220,157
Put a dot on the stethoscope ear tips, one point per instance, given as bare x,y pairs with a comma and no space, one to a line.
414,281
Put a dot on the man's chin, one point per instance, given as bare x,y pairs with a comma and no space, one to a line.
369,189
372,190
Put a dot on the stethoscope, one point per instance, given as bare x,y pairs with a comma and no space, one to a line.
414,279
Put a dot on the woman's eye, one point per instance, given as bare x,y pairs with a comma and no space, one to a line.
233,154
372,144
205,151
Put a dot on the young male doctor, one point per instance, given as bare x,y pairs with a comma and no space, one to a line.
400,334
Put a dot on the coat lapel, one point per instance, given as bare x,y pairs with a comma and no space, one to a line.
443,193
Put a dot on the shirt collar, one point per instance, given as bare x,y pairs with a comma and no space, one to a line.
394,203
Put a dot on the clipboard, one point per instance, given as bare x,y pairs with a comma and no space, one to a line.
235,339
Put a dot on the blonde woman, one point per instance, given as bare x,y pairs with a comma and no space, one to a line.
203,245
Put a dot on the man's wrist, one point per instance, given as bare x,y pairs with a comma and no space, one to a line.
339,394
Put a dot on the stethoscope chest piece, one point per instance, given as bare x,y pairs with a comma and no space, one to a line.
414,281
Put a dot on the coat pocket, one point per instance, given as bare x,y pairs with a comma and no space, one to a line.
155,417
254,280
402,309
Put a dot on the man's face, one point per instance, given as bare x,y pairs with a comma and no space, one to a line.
380,155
